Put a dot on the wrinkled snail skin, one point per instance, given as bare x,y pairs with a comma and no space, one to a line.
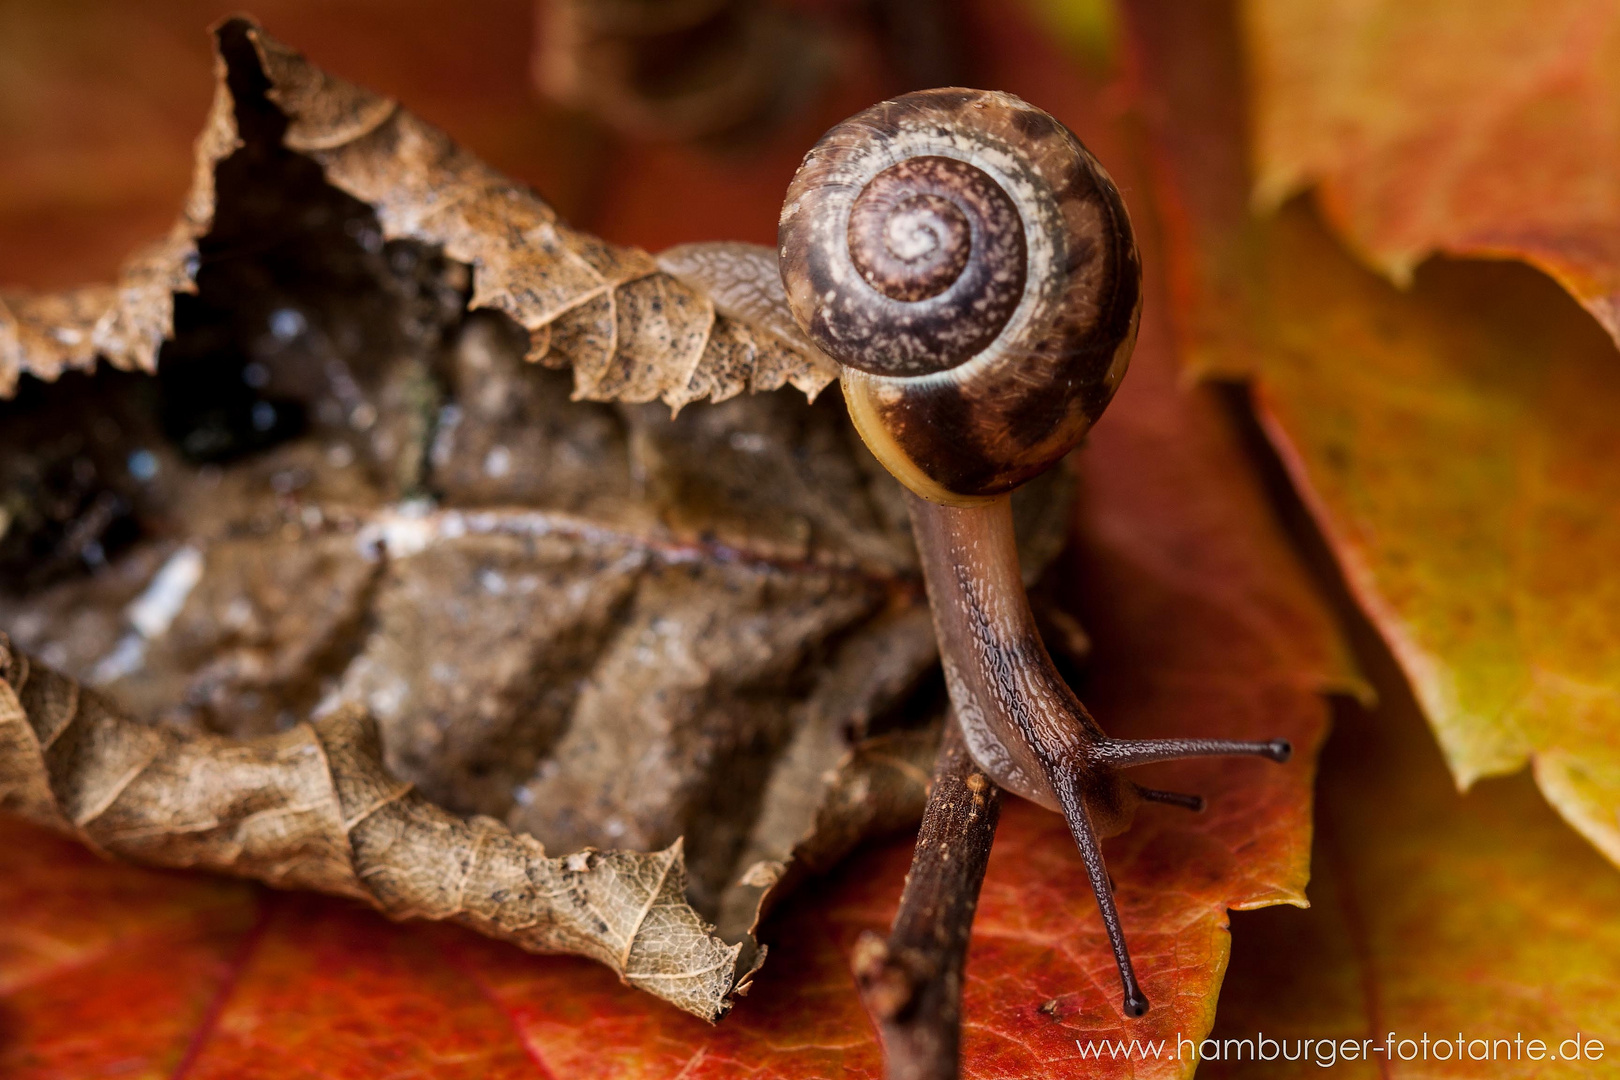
1022,723
966,385
972,269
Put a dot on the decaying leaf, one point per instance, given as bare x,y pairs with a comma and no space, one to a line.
1455,441
342,492
629,331
312,808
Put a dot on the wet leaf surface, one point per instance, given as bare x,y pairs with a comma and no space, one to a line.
1455,441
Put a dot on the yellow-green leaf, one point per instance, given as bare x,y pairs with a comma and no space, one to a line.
1435,915
1456,441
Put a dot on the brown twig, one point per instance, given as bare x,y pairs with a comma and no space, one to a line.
911,984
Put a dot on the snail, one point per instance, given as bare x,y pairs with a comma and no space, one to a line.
972,269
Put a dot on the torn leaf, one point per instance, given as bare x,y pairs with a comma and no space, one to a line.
629,331
312,808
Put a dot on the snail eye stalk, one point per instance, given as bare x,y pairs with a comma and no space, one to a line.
972,269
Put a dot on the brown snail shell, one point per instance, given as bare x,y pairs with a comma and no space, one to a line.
972,268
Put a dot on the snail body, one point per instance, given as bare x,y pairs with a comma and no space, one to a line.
972,267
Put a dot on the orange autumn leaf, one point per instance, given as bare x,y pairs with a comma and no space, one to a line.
1455,441
1488,130
1203,622
1435,914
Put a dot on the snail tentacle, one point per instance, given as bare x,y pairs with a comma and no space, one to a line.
1195,803
1134,1003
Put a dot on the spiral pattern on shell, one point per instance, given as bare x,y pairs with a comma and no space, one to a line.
972,267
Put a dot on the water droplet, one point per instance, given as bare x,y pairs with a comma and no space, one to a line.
143,465
287,323
498,462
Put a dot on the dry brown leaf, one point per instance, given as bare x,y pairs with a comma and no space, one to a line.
630,331
313,808
341,493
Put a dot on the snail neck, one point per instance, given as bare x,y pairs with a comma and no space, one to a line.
1022,723
859,389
